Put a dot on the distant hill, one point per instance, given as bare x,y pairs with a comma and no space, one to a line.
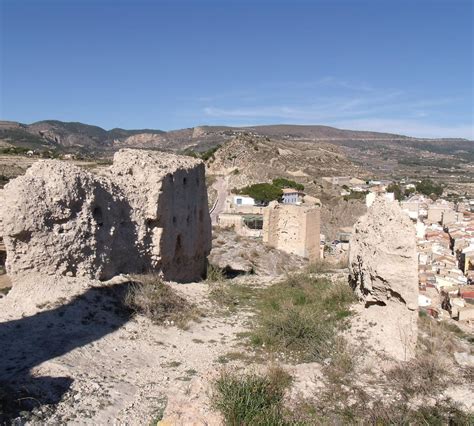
382,154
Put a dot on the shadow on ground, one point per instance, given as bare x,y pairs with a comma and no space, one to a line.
30,341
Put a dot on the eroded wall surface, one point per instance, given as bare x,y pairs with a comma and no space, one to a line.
292,228
384,275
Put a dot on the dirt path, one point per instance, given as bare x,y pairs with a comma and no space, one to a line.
222,191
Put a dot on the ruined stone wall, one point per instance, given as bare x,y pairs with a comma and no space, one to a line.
293,229
384,275
148,212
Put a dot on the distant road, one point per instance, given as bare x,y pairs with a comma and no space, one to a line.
221,187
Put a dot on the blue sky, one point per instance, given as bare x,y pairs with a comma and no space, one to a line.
403,66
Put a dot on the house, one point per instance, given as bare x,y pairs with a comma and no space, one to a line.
292,196
242,200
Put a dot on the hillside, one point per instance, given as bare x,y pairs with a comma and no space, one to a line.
250,159
379,154
64,135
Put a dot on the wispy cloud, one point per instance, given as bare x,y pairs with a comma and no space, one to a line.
408,127
356,106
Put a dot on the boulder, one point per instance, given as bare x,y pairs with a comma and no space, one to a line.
147,213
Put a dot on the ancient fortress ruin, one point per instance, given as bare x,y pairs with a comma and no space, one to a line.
146,213
384,275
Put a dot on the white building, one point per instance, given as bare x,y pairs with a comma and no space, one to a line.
292,196
242,200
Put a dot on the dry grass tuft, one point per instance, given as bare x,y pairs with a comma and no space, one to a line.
150,296
323,266
215,274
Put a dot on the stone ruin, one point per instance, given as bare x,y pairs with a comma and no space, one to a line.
148,212
384,275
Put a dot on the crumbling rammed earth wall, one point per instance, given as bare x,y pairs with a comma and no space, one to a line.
293,229
384,275
147,212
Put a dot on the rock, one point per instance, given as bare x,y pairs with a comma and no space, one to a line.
147,213
384,275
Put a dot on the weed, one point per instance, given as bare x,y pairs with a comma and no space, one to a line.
252,399
159,410
171,364
232,356
214,274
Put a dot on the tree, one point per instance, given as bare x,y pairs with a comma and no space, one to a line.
286,183
264,192
395,188
428,187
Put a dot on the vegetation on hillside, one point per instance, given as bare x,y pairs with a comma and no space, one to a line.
205,156
266,192
286,183
301,316
305,313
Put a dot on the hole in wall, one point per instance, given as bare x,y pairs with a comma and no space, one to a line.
98,216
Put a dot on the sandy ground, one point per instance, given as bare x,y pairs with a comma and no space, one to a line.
75,346
103,366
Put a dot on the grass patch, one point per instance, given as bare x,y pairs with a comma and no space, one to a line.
422,376
323,266
233,356
251,399
150,296
232,296
301,316
440,336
